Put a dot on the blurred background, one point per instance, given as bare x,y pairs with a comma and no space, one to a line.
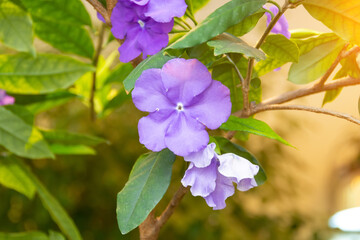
306,185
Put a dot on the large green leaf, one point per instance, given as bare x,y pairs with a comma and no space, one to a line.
65,37
279,47
43,102
227,146
15,27
155,61
253,126
221,19
227,43
70,138
315,63
58,11
246,25
24,74
13,176
148,182
343,17
23,236
19,136
56,211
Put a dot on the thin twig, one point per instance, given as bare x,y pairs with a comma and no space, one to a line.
307,108
289,96
332,67
166,214
100,8
236,69
94,76
246,85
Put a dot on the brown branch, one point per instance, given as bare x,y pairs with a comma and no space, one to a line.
150,228
100,8
289,96
246,85
94,76
309,109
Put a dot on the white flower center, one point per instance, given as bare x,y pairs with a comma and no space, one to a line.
141,23
180,107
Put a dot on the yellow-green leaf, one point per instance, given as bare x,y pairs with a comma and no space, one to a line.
343,17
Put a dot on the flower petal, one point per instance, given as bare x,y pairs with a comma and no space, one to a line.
186,135
282,26
202,158
5,99
130,48
184,79
238,168
165,10
140,2
246,184
224,189
152,129
149,92
151,42
122,19
201,180
212,107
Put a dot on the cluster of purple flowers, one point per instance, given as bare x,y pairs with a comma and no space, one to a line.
144,24
183,100
211,176
5,99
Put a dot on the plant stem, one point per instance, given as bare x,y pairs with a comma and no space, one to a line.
100,8
236,69
307,108
94,76
246,85
150,228
178,22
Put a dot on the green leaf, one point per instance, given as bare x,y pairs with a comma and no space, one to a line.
226,74
315,63
23,236
155,61
119,74
56,236
19,136
279,47
60,149
70,138
253,126
227,43
39,103
148,182
46,73
15,27
203,53
246,25
68,38
73,12
331,96
343,17
117,101
311,40
196,5
56,211
227,146
268,65
12,176
221,19
301,33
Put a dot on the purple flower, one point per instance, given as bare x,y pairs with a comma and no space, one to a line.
163,10
142,34
5,99
182,99
214,182
100,17
282,26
